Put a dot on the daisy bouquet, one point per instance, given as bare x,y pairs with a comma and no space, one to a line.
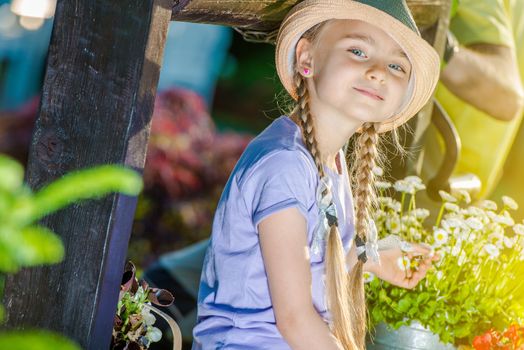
472,288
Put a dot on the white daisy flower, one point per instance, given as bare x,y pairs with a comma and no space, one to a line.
488,204
474,223
510,202
496,234
413,179
509,242
451,207
403,263
464,196
474,211
368,276
415,234
519,229
403,186
441,237
492,250
377,171
504,220
419,187
395,206
421,213
384,200
439,275
409,220
382,185
393,224
451,223
492,215
446,197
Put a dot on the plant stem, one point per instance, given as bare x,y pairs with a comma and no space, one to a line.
440,213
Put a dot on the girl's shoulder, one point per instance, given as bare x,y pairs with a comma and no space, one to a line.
278,149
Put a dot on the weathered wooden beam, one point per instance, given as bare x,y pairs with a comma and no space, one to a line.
266,15
98,96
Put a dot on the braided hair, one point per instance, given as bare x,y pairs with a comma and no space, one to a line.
345,291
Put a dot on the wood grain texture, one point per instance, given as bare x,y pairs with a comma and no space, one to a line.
98,96
266,15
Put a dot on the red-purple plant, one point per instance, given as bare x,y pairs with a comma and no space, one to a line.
510,339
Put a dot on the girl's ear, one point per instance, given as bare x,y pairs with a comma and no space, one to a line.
304,57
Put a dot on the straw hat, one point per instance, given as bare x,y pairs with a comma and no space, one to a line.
391,14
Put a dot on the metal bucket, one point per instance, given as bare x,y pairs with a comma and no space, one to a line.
412,337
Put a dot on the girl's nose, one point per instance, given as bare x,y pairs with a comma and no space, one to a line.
376,73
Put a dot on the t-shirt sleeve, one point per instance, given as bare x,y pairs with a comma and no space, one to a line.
482,21
281,180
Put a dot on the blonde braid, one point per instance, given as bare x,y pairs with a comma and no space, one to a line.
366,156
364,193
337,279
306,122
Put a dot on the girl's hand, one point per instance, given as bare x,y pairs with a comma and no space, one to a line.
395,266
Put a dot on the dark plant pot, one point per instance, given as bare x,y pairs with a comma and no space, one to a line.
412,337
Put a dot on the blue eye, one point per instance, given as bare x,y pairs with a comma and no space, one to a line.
396,67
358,52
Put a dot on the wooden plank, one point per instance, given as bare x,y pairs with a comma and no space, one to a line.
96,108
266,15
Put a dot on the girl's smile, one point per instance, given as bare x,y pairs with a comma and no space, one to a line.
370,92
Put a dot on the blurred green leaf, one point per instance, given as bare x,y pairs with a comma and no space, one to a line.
35,340
377,314
39,246
422,298
76,186
462,330
12,173
7,259
404,304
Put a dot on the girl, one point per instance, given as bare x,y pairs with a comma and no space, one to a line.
284,265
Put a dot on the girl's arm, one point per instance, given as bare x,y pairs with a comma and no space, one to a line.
487,77
283,240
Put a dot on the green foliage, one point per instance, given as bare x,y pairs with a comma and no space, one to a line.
23,243
35,340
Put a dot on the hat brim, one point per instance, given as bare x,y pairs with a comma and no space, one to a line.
425,66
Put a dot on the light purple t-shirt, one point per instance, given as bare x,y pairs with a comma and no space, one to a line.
275,172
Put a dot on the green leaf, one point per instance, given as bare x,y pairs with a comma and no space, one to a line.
12,174
422,298
462,331
39,246
35,340
85,184
414,311
8,261
2,312
377,315
404,304
399,324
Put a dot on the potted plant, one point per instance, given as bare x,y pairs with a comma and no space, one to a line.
469,290
133,327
